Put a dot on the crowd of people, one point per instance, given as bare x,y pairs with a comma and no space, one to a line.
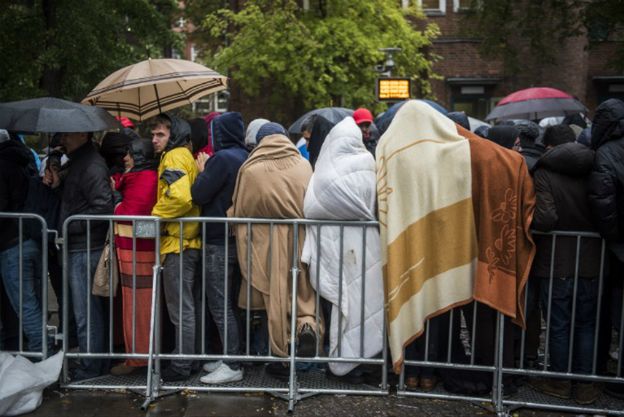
569,172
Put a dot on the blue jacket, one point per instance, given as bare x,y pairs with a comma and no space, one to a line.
214,187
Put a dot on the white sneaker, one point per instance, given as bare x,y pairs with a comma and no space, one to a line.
222,375
212,366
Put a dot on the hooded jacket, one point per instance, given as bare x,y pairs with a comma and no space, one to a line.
505,136
561,182
14,160
176,173
86,190
320,130
606,197
214,187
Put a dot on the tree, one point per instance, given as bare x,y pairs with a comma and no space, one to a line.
322,57
63,48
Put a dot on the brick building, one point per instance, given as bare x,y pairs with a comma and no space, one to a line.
473,84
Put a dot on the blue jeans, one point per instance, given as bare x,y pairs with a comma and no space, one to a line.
92,338
215,292
30,310
561,321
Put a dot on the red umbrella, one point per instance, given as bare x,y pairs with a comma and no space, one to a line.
536,103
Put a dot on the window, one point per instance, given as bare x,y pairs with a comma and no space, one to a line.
430,7
461,5
433,7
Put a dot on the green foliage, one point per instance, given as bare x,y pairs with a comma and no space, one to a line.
65,47
322,57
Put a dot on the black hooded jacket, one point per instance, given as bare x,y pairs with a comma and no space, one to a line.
86,190
561,185
606,186
142,152
14,179
320,130
180,132
214,187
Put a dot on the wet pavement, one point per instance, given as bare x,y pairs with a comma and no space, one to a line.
85,403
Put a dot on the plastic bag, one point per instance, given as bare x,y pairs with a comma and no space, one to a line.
22,382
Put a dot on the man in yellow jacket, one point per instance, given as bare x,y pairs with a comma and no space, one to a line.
179,242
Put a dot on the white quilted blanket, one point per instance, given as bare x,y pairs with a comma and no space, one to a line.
343,187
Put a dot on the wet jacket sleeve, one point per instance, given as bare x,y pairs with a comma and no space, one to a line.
210,181
602,195
545,217
175,200
96,190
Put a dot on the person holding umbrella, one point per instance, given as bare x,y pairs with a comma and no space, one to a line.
177,171
86,190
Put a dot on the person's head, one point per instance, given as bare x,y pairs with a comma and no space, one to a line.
252,131
307,126
140,155
228,131
558,135
74,140
363,118
505,136
161,132
199,134
269,129
460,118
528,132
169,132
113,149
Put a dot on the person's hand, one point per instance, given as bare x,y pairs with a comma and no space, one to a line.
51,178
202,158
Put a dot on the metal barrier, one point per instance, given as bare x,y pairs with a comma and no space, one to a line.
298,383
470,343
25,263
514,382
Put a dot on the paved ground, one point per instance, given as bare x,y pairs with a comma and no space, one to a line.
189,404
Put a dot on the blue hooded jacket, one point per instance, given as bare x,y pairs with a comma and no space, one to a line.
214,187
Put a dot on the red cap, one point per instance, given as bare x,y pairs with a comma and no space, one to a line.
125,122
362,115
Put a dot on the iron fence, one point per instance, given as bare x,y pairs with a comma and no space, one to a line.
501,361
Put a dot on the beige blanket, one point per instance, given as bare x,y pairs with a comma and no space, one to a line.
272,184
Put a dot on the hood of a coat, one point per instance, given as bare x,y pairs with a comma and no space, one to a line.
505,136
320,130
142,152
571,159
180,132
228,131
16,152
608,123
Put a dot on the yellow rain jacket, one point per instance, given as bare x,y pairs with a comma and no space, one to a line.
176,174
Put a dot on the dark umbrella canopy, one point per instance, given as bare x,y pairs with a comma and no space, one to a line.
50,115
535,104
332,114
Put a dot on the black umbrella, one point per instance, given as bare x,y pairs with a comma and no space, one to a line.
51,115
332,114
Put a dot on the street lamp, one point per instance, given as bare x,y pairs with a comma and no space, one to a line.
385,69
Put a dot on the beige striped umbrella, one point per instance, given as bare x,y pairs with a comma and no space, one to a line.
143,90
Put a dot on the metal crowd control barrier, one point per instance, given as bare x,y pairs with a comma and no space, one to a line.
513,379
24,271
304,376
470,343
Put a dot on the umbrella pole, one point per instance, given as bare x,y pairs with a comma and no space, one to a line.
157,98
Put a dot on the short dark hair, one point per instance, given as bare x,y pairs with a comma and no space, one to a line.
558,135
161,119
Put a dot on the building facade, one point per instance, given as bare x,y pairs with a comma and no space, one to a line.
474,84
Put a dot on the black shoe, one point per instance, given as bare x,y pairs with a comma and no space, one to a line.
614,389
171,375
278,370
306,346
